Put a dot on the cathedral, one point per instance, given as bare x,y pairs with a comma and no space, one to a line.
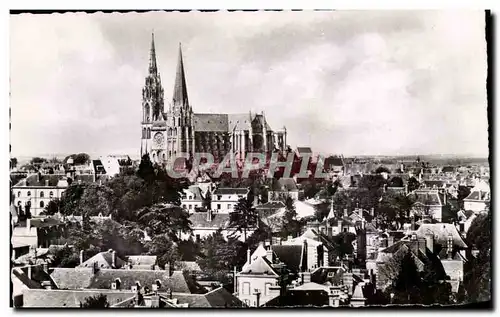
177,129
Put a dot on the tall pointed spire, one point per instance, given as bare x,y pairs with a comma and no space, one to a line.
153,69
180,91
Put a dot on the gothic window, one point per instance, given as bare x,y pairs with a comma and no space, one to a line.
19,194
169,153
41,194
51,194
179,121
163,156
144,133
42,204
148,133
29,193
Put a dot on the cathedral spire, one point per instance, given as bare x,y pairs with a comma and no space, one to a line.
153,69
180,90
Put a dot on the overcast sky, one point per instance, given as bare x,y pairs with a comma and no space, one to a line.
342,82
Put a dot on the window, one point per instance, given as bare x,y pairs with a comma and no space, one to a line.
219,197
41,194
246,288
218,206
42,204
29,193
197,237
267,290
247,302
228,206
345,229
190,206
184,206
19,194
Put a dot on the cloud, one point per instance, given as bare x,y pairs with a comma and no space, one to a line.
343,82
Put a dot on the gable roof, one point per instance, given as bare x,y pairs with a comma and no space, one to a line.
259,266
104,260
441,232
196,191
427,197
290,255
68,298
219,220
217,298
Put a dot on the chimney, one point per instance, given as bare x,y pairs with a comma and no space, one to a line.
406,189
289,238
372,212
360,211
429,242
28,224
113,259
209,215
47,182
363,224
305,255
450,246
95,268
345,213
339,224
269,255
390,240
155,301
46,267
81,257
307,277
249,256
29,272
413,225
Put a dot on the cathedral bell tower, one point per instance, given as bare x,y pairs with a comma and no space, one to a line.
180,116
152,101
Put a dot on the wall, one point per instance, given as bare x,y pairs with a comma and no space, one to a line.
256,282
21,195
226,202
475,206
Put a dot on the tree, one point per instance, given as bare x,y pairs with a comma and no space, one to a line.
407,286
244,217
98,301
52,208
413,184
343,245
477,278
164,248
382,169
65,257
166,220
38,160
81,159
290,226
146,170
396,181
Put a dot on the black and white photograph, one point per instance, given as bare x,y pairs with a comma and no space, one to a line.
228,159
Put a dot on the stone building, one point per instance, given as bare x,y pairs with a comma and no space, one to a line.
178,129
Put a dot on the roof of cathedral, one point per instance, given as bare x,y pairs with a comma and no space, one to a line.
210,122
180,89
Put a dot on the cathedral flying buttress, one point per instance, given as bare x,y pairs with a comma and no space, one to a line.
179,130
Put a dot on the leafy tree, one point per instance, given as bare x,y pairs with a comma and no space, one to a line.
407,286
64,257
38,160
290,224
164,248
382,169
463,192
81,159
146,170
98,301
413,184
71,198
244,217
394,210
343,245
477,278
396,181
166,220
52,208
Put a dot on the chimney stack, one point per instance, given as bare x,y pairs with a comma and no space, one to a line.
47,182
29,272
339,224
305,255
360,211
113,259
390,240
81,257
269,255
429,242
209,215
46,267
372,212
249,256
345,213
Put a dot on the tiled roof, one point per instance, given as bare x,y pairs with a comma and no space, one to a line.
427,198
44,222
68,278
195,190
23,278
231,191
219,220
68,298
291,255
239,121
35,181
210,122
441,232
104,261
478,195
260,266
142,259
218,298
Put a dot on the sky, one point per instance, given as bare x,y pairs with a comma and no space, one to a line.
343,82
